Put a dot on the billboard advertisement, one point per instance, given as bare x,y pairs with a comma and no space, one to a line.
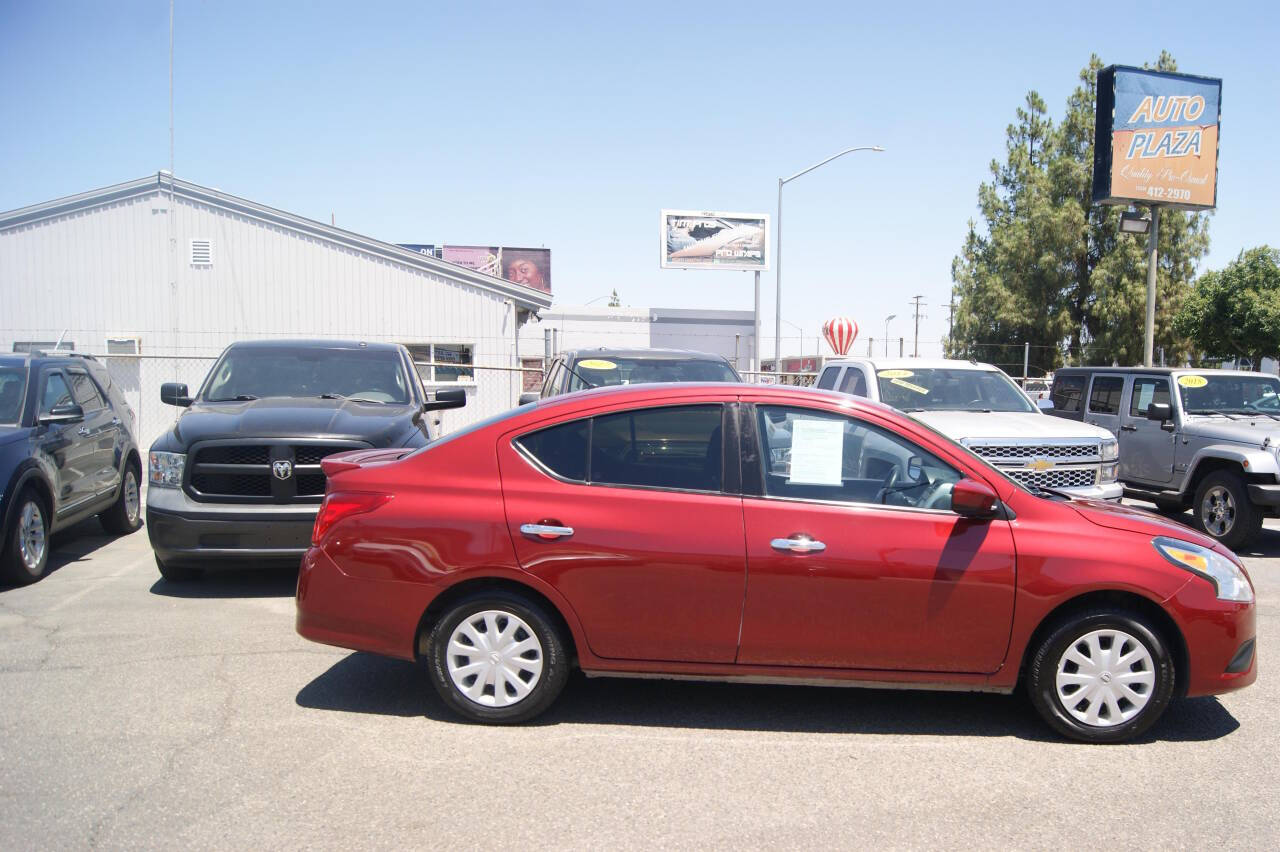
1156,138
528,266
698,239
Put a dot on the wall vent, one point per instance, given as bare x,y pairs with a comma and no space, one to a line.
124,346
202,252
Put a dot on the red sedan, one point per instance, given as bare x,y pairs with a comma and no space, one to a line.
757,533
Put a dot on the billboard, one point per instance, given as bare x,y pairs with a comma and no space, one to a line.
528,266
1156,138
698,239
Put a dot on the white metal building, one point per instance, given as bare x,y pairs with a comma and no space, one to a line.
162,274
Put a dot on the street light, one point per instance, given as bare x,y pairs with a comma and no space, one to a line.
886,333
777,326
799,329
1132,222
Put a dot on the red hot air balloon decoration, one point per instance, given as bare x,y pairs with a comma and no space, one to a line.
840,333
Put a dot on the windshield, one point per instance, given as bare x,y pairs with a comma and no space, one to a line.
13,382
614,370
950,389
1206,393
259,372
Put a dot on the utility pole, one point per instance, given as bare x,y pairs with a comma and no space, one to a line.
915,348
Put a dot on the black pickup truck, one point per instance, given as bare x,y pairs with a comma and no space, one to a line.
237,480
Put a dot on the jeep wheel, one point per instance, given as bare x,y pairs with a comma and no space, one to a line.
1223,509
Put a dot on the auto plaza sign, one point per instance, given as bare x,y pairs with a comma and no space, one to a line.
1156,138
703,239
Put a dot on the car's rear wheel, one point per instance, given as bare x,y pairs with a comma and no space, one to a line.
125,515
26,543
177,573
497,657
1102,676
1223,509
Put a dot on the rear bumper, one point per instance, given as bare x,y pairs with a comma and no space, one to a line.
183,531
1265,495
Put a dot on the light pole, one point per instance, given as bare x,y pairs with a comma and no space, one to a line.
886,334
777,325
801,331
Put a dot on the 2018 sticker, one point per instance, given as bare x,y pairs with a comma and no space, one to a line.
597,364
896,374
1192,381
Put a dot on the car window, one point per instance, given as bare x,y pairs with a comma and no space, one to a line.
827,380
55,393
1104,396
13,382
854,382
950,389
85,391
825,456
561,449
677,447
602,370
1145,392
1067,393
257,373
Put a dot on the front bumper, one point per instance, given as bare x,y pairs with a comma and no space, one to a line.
184,531
1265,495
1220,639
1112,491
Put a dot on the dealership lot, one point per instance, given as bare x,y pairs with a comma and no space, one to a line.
139,713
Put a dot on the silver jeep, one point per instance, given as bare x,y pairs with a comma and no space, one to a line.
1213,446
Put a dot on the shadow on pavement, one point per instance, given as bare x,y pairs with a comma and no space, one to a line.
74,544
363,683
273,581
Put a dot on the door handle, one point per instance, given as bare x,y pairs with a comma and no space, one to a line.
1128,428
549,532
798,544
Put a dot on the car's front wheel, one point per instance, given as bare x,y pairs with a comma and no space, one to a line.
1101,676
26,543
497,657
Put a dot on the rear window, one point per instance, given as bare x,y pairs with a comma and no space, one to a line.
1104,396
1067,393
827,380
616,370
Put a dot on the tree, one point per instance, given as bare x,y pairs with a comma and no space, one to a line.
1051,269
614,301
1235,312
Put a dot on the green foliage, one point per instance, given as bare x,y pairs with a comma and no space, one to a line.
1050,268
614,301
1235,312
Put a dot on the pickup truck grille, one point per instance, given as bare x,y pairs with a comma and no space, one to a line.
243,473
1066,477
1049,464
996,453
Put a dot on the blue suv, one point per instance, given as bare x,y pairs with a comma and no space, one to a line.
67,451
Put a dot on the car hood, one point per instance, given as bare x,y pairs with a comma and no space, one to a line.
961,425
1130,519
286,417
1250,431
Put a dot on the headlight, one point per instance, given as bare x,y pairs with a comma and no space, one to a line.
165,469
1110,471
1110,450
1226,576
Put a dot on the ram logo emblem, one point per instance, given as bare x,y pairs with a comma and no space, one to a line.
282,468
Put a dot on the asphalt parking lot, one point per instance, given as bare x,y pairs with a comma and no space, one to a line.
138,713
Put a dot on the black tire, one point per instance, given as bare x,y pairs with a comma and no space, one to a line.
1225,490
125,514
14,567
177,573
1170,507
551,647
1073,634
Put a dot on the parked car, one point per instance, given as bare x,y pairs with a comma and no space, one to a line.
579,369
1213,446
67,452
611,530
237,480
979,406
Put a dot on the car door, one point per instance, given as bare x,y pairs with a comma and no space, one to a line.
68,452
628,515
1146,450
99,432
1102,405
854,561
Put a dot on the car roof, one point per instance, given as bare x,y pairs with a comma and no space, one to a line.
292,343
41,358
1154,371
917,363
691,392
655,354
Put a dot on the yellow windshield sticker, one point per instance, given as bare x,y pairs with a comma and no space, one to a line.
1192,381
597,364
903,384
896,374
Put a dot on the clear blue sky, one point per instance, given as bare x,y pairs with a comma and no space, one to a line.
571,125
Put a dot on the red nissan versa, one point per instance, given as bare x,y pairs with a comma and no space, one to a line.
765,534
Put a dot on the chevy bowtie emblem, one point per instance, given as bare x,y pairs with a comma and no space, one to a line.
1040,465
282,468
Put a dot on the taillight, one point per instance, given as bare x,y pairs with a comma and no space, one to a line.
341,504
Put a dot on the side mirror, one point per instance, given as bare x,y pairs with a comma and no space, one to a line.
973,499
174,393
1044,404
66,413
529,396
915,469
448,398
1159,411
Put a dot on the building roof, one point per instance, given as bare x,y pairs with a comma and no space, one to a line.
526,298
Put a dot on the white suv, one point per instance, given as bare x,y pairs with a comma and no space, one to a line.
980,407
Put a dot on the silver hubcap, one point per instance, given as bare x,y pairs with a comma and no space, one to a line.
1105,678
131,496
1218,511
31,539
495,659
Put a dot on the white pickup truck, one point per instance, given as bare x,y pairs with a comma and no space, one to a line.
980,407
